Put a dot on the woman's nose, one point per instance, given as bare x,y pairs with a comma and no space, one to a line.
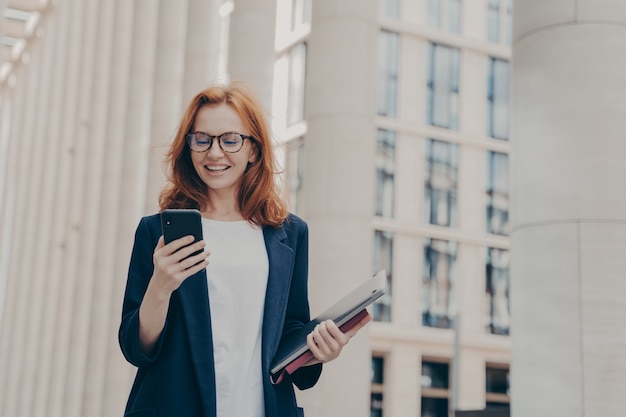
215,150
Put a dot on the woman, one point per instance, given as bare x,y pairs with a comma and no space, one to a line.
202,334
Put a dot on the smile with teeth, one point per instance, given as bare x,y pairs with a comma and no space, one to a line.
217,168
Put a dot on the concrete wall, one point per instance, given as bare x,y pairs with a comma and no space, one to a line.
569,208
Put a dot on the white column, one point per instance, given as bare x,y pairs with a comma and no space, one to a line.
402,382
123,182
13,205
72,218
167,97
203,47
27,180
569,208
251,46
55,31
338,190
94,333
45,146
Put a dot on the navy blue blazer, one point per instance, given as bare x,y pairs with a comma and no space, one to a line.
177,378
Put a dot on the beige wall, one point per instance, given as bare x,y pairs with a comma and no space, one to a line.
569,97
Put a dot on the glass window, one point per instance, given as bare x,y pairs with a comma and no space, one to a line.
508,22
497,380
497,389
295,149
296,87
388,43
391,8
500,21
440,199
497,291
434,407
443,86
498,193
383,259
445,14
454,16
498,99
434,13
300,13
378,365
385,172
435,375
493,21
438,298
376,402
435,389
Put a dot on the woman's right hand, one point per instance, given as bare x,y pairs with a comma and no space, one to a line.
171,265
171,268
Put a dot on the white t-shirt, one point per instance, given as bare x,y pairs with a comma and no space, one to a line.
237,278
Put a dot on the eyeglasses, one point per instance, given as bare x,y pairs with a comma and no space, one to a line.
230,142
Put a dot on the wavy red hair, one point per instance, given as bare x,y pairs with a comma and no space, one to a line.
259,197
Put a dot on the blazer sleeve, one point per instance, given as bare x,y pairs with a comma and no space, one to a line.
298,314
139,273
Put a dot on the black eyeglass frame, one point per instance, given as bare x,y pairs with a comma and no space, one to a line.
190,136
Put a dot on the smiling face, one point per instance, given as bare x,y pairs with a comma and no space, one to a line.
219,170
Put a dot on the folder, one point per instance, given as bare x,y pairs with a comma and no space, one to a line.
346,313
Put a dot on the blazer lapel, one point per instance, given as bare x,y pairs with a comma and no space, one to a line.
280,268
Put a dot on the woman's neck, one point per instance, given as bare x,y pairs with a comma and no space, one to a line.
221,209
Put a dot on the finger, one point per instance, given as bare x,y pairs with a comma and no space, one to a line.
319,348
334,340
359,325
195,259
315,350
175,245
195,269
191,261
336,333
187,251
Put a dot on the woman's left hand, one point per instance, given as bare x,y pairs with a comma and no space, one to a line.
326,341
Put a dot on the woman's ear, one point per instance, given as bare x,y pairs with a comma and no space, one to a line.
253,154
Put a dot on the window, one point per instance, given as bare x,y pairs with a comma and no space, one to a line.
440,199
435,389
493,21
498,99
497,291
296,87
295,149
376,403
500,21
383,259
385,173
387,73
390,8
498,193
300,13
438,300
445,15
497,386
443,86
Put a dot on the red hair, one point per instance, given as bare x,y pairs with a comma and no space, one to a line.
258,196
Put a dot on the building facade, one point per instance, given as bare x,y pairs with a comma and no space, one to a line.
392,123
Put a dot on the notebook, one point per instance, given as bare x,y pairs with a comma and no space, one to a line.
346,313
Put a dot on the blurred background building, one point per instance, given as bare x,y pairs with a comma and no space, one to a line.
393,123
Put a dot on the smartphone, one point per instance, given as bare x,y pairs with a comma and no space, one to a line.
176,223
